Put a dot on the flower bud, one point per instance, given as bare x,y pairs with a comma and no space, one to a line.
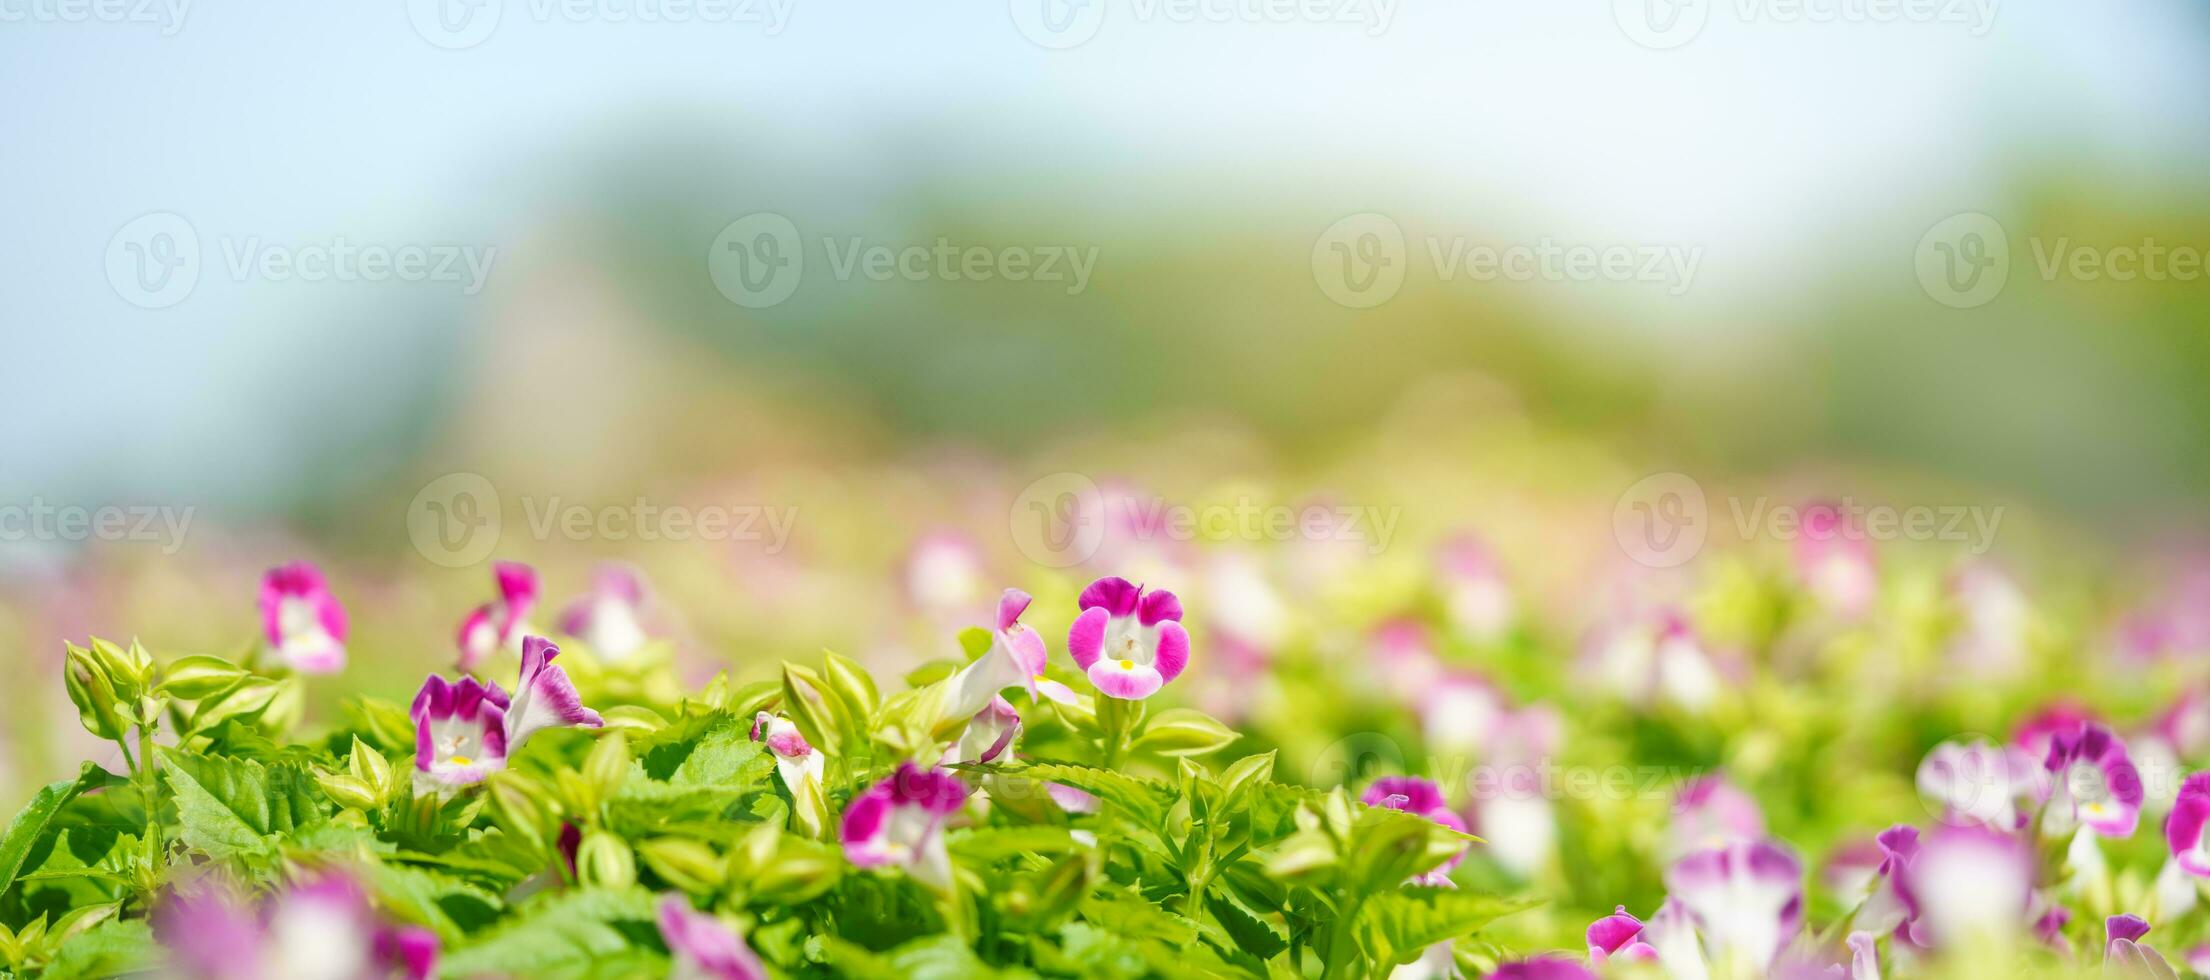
687,864
606,767
605,861
348,791
91,687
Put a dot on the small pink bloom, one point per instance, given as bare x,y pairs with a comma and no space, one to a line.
1130,642
899,822
321,927
795,760
943,574
1834,560
2183,830
1072,800
1967,881
2094,783
500,623
1654,656
1419,797
989,735
610,619
2125,956
704,947
1017,656
1618,935
1474,592
1542,968
1745,898
303,623
464,731
1972,783
1710,812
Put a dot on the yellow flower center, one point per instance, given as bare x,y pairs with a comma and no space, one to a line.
1127,665
462,760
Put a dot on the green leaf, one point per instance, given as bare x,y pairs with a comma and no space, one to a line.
985,844
1252,933
1145,800
1396,926
234,807
112,948
447,905
29,824
1184,731
582,933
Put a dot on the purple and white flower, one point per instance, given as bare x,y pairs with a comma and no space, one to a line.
1971,783
1538,968
989,735
501,623
1991,641
1884,907
1711,812
465,731
1745,900
1658,656
460,732
1130,642
704,947
2094,784
319,929
798,762
2183,830
610,619
1017,657
1966,882
2123,954
304,624
1419,797
899,822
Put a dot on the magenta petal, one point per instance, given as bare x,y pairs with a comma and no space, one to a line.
1158,607
2183,829
1011,605
703,946
1612,933
1028,649
517,582
1408,793
409,950
1133,684
547,699
1173,651
1542,968
1086,639
1117,596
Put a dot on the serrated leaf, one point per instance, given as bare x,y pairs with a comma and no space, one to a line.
112,948
1184,732
30,823
447,905
1146,800
582,933
234,807
1397,926
1251,932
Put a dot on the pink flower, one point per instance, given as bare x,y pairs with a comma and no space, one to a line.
2094,784
2123,954
989,735
304,624
318,929
465,731
1654,656
796,760
1834,560
899,822
2183,830
1542,968
1972,783
1475,595
1419,797
1967,881
704,947
500,623
1017,656
943,574
610,619
1130,642
1744,898
1618,935
1710,812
